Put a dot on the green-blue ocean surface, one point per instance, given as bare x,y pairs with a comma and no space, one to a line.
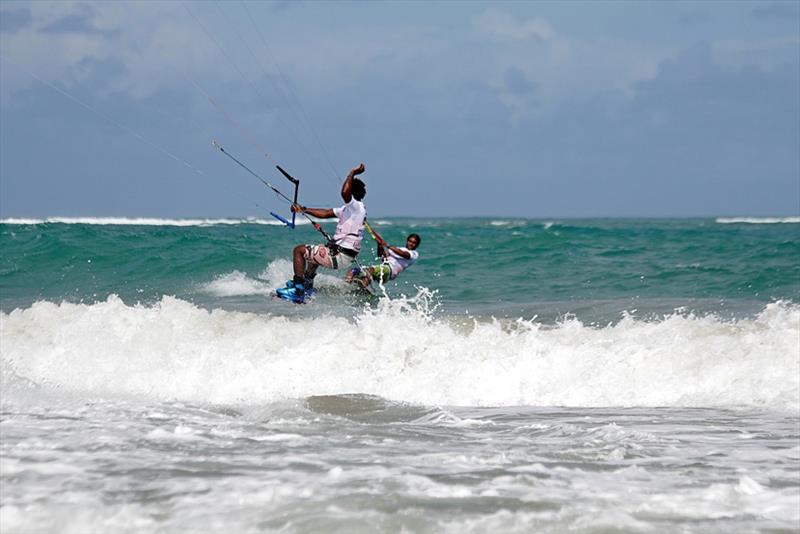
501,267
523,376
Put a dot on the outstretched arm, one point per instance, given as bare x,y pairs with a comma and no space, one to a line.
383,245
400,252
319,213
347,186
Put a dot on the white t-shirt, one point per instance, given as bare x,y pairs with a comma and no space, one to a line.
398,263
350,228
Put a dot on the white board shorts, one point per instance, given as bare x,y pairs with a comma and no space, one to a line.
321,255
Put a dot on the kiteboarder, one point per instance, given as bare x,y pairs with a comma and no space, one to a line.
339,252
395,260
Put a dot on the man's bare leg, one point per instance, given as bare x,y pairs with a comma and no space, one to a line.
299,261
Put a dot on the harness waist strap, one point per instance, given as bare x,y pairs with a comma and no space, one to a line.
336,249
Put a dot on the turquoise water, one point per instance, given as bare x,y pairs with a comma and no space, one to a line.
525,376
502,267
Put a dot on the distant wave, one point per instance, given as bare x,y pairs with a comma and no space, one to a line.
399,351
505,222
140,221
757,220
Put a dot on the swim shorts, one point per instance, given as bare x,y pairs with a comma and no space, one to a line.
321,255
381,272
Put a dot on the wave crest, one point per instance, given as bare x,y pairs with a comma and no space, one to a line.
758,220
401,351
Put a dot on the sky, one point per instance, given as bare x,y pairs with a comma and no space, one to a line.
457,109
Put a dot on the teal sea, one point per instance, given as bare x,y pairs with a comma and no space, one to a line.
501,267
553,375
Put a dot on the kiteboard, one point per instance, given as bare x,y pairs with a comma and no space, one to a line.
360,289
289,296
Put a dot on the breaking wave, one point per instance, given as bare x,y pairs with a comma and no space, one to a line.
757,220
175,350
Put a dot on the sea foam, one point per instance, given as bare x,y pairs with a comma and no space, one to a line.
758,220
402,351
237,283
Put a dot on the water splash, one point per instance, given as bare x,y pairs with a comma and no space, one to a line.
401,350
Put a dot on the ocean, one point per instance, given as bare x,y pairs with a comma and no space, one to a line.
559,375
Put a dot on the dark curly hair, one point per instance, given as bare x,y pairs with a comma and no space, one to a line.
359,189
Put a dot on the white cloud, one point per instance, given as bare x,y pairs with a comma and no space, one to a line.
502,25
766,53
159,44
153,41
560,66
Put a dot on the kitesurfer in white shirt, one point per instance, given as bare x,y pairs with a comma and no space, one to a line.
338,253
395,261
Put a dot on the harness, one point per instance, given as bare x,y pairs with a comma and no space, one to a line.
336,250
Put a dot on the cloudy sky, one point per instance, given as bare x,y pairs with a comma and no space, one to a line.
525,109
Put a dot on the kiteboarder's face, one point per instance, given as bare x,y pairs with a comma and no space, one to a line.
412,243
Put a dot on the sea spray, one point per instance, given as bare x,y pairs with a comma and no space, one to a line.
401,350
237,283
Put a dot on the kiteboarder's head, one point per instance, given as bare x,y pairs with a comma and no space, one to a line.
359,189
412,241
